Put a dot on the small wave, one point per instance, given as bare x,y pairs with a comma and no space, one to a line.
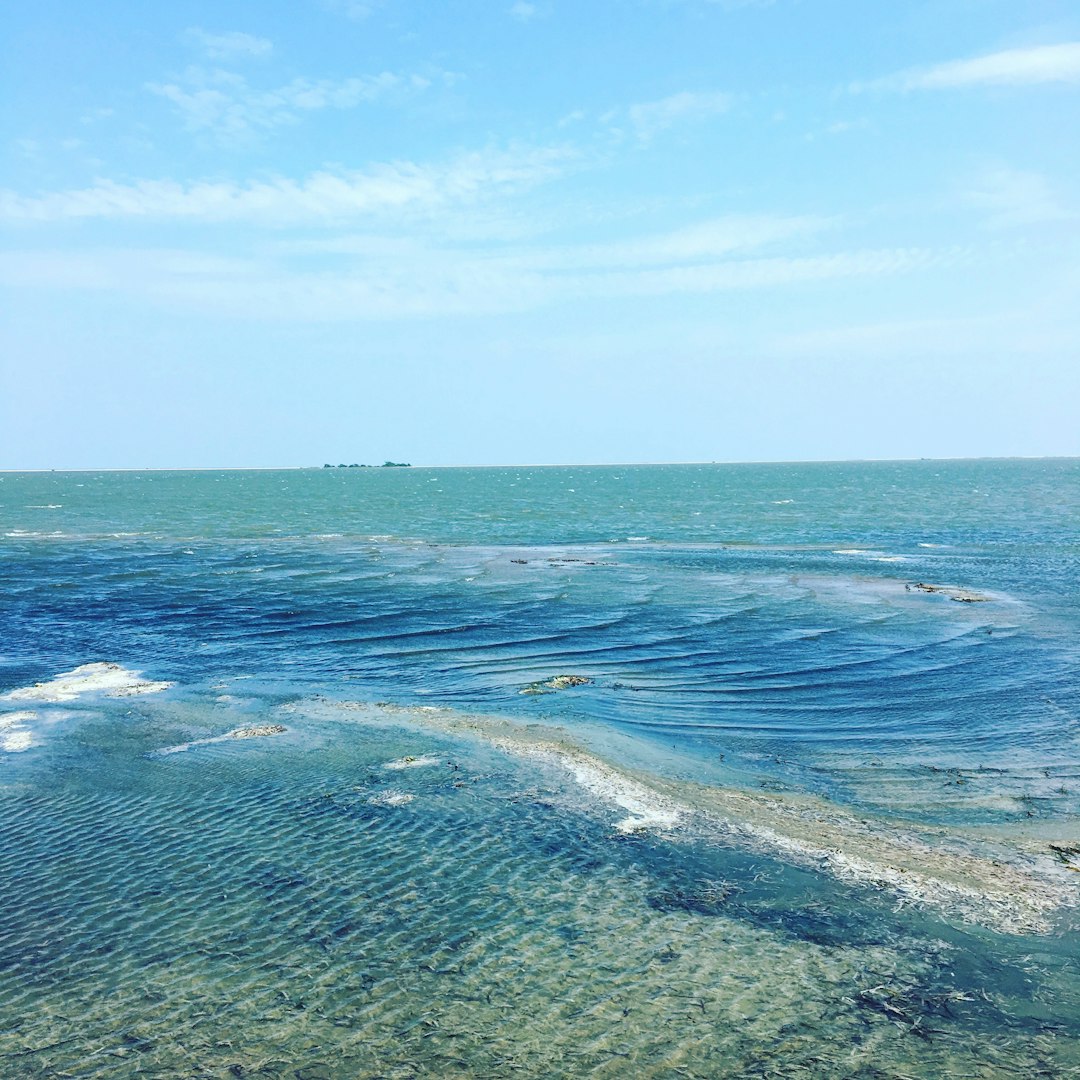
45,506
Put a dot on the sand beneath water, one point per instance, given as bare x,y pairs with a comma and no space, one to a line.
1015,887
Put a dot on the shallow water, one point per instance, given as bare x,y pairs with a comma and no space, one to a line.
758,656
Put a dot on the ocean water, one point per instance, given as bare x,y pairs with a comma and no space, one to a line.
697,770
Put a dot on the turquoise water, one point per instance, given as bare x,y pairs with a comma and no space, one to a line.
811,809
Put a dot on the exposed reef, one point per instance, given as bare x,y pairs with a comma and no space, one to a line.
258,731
953,592
559,682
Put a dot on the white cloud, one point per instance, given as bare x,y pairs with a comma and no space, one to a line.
651,117
1011,67
224,103
322,198
523,10
228,46
1013,197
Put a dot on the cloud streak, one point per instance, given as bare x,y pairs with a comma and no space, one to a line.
1010,67
651,117
223,102
395,279
321,198
229,46
1014,197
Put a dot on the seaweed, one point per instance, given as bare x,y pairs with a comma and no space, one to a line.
702,898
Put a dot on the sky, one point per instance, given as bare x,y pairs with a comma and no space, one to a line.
260,233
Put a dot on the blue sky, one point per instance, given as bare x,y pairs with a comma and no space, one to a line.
283,233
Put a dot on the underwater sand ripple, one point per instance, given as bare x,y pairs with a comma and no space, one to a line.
998,886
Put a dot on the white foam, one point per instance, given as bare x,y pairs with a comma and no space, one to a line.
14,738
16,719
391,798
15,742
424,762
113,680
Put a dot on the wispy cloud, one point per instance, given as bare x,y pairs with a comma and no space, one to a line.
323,197
725,5
1011,67
1014,197
651,117
96,115
406,266
408,280
695,244
228,46
224,103
357,10
524,11
838,127
691,246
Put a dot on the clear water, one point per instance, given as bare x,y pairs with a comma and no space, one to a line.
289,906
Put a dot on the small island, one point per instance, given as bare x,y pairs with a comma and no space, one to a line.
384,465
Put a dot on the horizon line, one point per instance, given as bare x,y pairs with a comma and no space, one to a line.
542,464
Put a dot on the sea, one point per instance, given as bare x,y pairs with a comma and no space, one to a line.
712,770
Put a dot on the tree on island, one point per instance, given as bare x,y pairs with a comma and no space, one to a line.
384,465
